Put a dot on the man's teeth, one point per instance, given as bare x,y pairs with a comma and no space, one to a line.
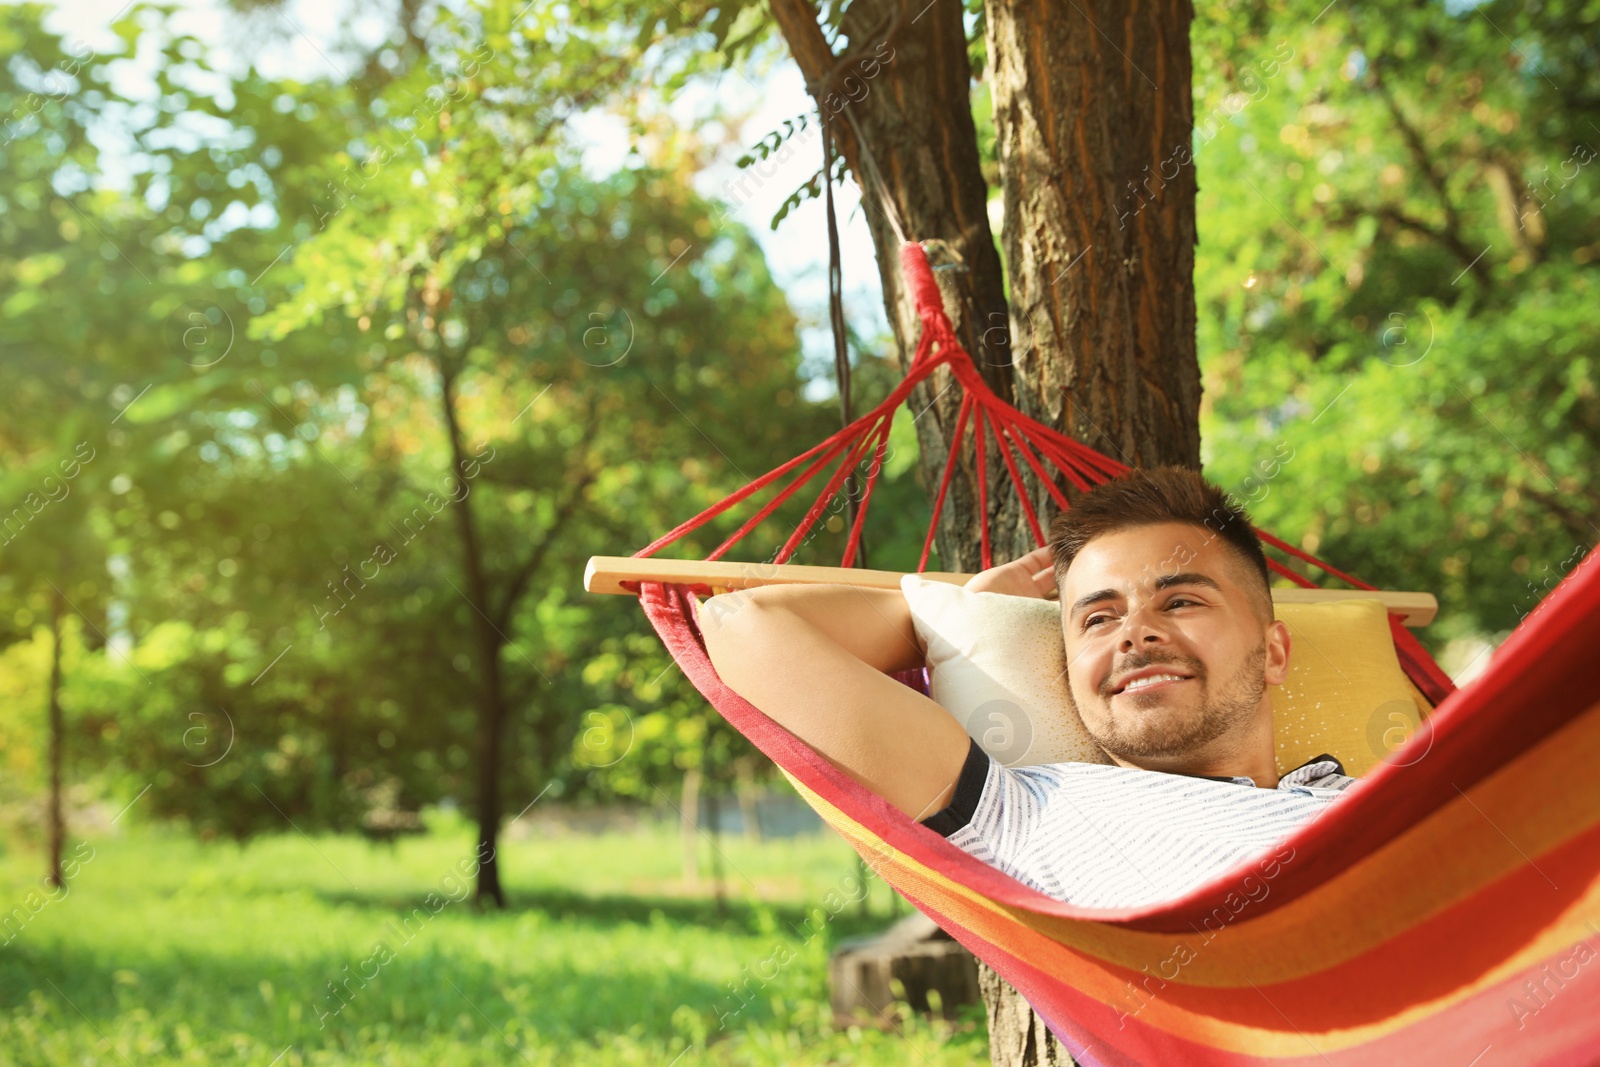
1140,683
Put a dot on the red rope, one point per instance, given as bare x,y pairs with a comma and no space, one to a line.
985,557
919,279
1039,472
1285,546
1293,575
1016,479
829,491
944,481
1039,444
778,501
1097,468
849,433
1418,665
866,497
1049,451
733,498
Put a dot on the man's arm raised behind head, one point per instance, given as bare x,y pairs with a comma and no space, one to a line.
814,657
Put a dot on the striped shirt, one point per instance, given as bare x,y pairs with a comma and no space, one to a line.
1115,837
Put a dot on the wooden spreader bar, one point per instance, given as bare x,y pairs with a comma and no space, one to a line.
605,574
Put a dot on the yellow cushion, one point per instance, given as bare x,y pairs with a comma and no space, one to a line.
1345,693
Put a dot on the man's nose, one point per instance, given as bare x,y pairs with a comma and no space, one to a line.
1142,627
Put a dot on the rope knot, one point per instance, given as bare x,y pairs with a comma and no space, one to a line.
919,275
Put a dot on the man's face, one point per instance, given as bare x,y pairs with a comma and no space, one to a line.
1166,656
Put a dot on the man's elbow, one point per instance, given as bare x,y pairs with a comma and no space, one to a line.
742,634
731,622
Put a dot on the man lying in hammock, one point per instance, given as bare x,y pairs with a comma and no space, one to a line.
1171,643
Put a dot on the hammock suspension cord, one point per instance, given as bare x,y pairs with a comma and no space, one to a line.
1050,455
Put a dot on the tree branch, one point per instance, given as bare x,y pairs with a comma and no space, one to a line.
1522,222
1449,235
517,584
1576,522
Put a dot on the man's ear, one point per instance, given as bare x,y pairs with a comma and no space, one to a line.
1277,642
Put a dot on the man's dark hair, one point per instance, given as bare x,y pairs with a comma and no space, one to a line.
1158,495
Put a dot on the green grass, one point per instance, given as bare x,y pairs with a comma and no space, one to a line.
168,951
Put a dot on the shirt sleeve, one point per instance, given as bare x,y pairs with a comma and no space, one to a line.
993,802
993,812
969,791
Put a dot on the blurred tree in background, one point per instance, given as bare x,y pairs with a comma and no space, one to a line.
360,399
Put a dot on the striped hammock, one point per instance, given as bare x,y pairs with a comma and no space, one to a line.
1446,912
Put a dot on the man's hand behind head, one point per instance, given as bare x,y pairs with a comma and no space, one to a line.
1033,575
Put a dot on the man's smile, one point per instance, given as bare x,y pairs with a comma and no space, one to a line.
1150,683
1150,678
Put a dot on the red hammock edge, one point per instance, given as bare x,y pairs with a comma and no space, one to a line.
1524,696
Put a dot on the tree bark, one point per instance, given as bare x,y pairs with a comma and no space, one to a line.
57,819
1016,1034
1094,119
488,641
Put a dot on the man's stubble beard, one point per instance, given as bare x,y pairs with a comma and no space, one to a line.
1236,703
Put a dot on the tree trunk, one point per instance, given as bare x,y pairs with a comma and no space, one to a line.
749,812
488,641
714,818
57,820
689,826
1094,117
1016,1034
1094,120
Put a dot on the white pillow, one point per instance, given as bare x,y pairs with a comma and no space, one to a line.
997,663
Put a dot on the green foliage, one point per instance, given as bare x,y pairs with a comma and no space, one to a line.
241,477
811,189
1396,281
245,318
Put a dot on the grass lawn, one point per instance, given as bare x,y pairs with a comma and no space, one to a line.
330,950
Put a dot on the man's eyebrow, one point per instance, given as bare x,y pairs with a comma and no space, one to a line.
1090,600
1166,581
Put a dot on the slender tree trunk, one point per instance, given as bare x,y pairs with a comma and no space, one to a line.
749,812
1094,120
714,817
488,642
57,820
689,826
